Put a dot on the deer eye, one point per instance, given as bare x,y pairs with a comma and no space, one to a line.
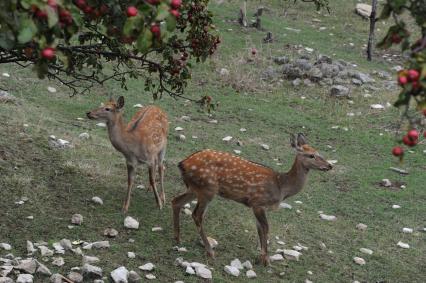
107,109
311,156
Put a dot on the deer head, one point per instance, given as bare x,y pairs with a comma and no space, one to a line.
108,110
307,155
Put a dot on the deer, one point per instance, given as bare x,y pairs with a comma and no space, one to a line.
208,173
142,141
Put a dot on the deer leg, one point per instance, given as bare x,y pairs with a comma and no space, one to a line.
161,173
198,216
177,204
263,230
130,180
151,171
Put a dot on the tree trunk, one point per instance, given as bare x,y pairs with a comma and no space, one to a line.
243,14
372,27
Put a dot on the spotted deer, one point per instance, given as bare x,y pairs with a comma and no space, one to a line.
142,141
208,173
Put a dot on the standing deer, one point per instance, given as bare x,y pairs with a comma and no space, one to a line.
207,173
142,140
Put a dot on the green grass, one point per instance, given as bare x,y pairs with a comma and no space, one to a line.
60,183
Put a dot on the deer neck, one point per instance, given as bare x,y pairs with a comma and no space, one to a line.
116,132
292,182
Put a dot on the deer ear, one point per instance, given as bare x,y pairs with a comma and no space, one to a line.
120,102
301,139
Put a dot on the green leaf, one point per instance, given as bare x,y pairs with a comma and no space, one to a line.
132,24
52,16
27,31
403,99
162,12
171,23
144,41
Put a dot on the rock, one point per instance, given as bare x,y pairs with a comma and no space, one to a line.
77,251
339,91
386,183
58,248
156,229
45,251
251,274
270,73
364,78
98,281
90,259
291,254
24,278
364,10
5,97
96,245
315,74
58,143
281,60
356,82
296,82
285,205
237,151
131,223
150,276
6,75
291,71
361,226
247,265
190,270
75,277
51,89
77,219
178,129
97,200
182,250
366,251
147,267
182,137
328,217
58,261
120,275
6,280
27,265
232,270
203,272
131,255
134,277
407,230
227,138
42,269
30,248
359,260
303,64
66,244
110,232
276,257
224,72
84,136
101,125
377,106
328,70
137,105
264,146
5,246
91,271
403,245
395,206
323,59
237,264
56,278
187,211
5,270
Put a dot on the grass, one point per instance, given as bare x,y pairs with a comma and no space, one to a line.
60,183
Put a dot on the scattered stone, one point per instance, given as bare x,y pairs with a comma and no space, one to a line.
231,270
251,274
386,183
339,91
285,205
134,276
58,261
296,82
309,272
91,271
237,151
6,280
182,137
359,260
187,211
264,146
110,232
366,251
131,223
5,246
51,89
6,75
131,255
190,270
30,247
227,138
377,106
281,60
403,245
150,276
156,229
27,265
45,251
276,257
97,200
361,226
120,275
5,97
66,244
224,72
203,272
407,230
237,264
147,267
25,278
291,254
58,248
75,277
247,265
77,219
56,278
182,250
90,259
395,206
84,136
328,217
178,129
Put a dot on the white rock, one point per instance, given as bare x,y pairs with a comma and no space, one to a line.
138,105
134,276
361,226
27,265
190,270
140,187
328,217
30,247
366,251
407,230
147,267
359,260
101,125
131,223
92,271
291,254
51,89
182,137
6,75
84,136
187,211
42,269
227,138
395,206
156,229
178,129
232,270
332,161
203,272
309,272
75,277
309,49
90,259
303,247
58,248
182,249
243,130
363,10
276,257
280,243
58,261
247,265
195,264
150,276
66,244
285,205
79,119
97,200
237,151
30,217
298,202
386,183
237,264
297,248
131,255
224,72
251,274
264,146
45,251
77,219
403,245
5,246
25,278
120,275
187,205
213,122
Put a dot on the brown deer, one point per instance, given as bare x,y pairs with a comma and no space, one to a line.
142,140
208,173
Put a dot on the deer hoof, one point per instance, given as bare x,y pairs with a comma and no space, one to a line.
211,254
264,259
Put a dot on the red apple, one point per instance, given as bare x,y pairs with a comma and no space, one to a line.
407,141
48,53
402,80
155,29
132,11
413,75
398,151
41,14
87,9
175,13
80,3
413,134
176,4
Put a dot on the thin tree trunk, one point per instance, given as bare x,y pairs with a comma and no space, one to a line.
243,14
372,28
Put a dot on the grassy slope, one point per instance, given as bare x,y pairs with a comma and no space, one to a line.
60,183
